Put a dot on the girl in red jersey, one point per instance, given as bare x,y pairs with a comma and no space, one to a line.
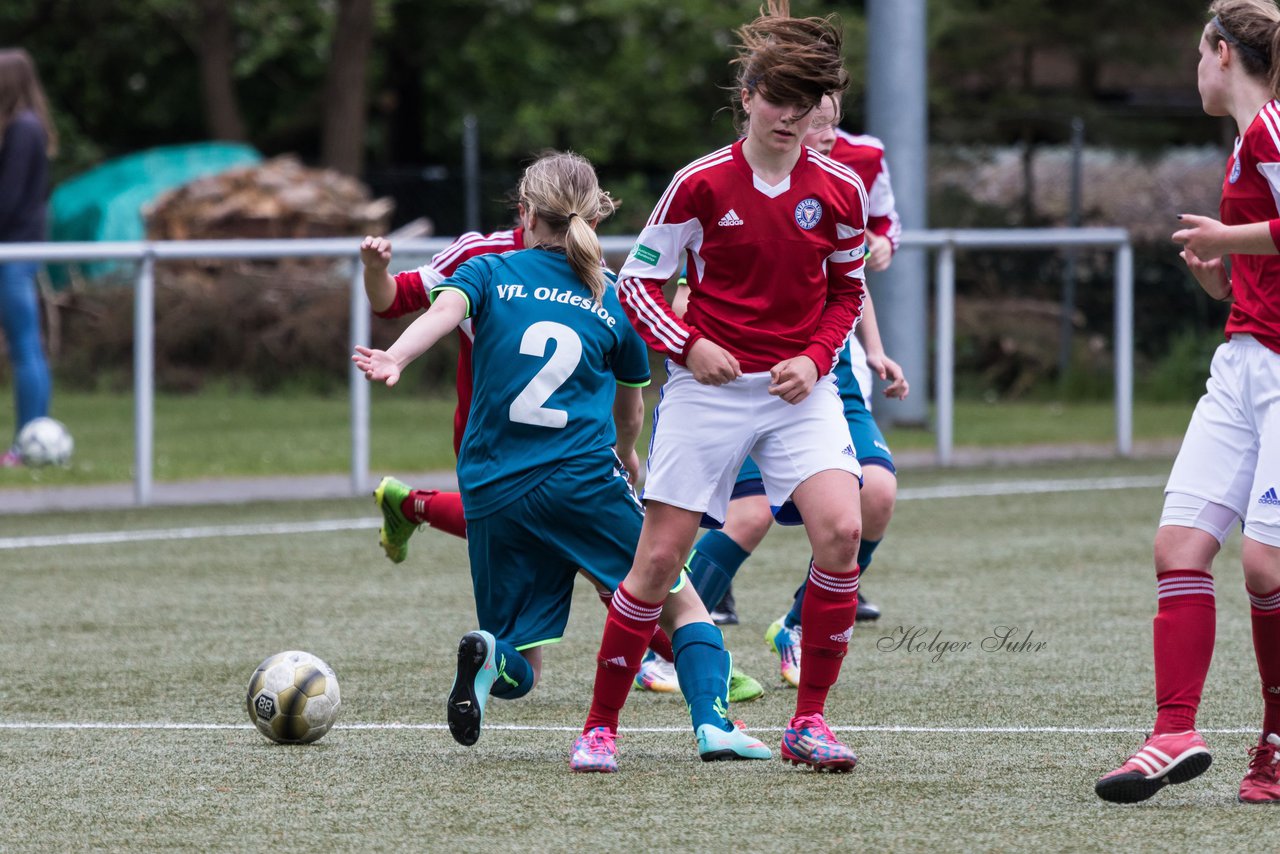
1229,467
772,233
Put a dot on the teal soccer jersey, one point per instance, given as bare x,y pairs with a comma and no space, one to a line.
545,358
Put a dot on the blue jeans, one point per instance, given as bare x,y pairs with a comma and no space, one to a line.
20,318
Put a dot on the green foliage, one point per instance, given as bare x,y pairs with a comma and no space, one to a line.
1180,375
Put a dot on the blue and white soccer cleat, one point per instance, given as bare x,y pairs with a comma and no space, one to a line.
714,744
475,676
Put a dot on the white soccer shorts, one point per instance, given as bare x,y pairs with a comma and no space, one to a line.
1230,455
702,433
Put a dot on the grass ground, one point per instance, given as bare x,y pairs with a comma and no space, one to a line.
971,750
221,433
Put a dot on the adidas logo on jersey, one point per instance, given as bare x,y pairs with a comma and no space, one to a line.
1270,497
731,218
848,451
843,637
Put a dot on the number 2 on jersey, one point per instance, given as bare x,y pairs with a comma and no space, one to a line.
528,407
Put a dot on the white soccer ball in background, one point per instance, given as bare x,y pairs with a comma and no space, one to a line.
293,697
44,442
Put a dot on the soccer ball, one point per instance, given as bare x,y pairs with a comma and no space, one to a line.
44,442
293,697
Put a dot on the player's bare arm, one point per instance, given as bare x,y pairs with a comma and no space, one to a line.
445,314
793,379
887,369
1212,275
628,420
1210,239
711,364
379,285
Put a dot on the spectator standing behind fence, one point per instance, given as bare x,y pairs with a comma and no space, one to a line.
27,141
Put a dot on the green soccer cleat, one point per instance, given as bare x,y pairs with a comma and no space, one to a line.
742,688
716,745
396,530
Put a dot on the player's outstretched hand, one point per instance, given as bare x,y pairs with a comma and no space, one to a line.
711,364
1203,235
793,379
375,253
1212,275
891,372
377,365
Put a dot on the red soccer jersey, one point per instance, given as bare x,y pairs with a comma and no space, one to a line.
865,155
774,272
1249,194
413,287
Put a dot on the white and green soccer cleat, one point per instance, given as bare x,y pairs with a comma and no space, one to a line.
715,745
396,530
477,671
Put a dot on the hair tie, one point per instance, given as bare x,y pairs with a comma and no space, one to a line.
575,213
1255,54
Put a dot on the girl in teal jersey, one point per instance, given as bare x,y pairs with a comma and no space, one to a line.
555,415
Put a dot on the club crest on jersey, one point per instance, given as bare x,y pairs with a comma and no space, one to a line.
1235,172
808,213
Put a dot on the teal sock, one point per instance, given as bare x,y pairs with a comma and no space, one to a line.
865,550
702,665
793,616
515,675
713,563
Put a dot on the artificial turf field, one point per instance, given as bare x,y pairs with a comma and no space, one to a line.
124,655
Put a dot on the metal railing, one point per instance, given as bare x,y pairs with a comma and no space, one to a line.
944,243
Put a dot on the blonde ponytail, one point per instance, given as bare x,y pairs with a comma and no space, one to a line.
562,189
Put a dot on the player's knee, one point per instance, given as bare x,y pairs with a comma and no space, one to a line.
661,561
1182,547
1261,565
836,544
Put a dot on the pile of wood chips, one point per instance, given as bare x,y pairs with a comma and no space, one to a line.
278,198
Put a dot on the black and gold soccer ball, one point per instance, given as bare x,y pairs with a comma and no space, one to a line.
293,697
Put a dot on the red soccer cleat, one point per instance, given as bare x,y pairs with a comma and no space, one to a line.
1260,785
1172,757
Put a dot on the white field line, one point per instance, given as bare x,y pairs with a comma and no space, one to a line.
940,730
99,538
960,490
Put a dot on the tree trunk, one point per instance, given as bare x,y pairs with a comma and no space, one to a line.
217,53
346,98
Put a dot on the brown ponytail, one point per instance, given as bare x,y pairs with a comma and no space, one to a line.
1252,29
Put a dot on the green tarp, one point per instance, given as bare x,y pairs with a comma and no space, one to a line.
106,202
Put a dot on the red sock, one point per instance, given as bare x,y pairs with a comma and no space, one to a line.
627,631
826,623
659,643
1183,632
440,510
1265,613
